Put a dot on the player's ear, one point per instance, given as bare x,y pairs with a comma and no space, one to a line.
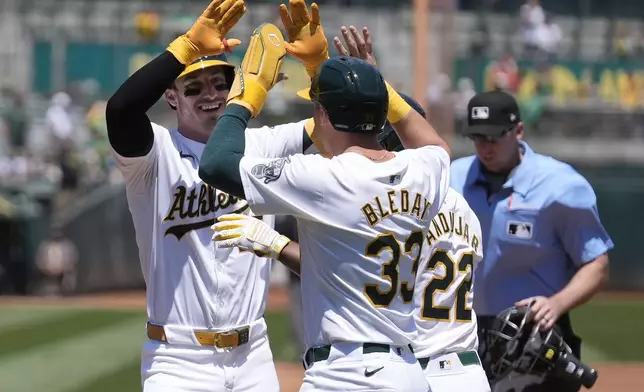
519,131
171,98
319,115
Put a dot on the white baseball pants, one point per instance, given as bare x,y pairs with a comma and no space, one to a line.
349,369
456,372
192,368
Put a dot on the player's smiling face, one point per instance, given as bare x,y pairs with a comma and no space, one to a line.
199,99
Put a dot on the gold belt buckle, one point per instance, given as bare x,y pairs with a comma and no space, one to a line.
225,339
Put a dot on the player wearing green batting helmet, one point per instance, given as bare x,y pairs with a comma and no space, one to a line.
352,92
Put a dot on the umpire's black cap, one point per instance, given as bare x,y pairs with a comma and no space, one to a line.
491,114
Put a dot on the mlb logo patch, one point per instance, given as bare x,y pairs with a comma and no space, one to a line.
521,230
480,113
445,365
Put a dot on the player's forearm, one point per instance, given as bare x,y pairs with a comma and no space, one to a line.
587,282
128,126
219,164
413,129
290,257
280,141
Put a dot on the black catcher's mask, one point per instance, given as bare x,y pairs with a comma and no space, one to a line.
515,343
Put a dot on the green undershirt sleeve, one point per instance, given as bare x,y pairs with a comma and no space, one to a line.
219,164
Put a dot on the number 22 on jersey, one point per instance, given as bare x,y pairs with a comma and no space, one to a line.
390,270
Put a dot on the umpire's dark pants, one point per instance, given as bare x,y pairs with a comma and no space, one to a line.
552,382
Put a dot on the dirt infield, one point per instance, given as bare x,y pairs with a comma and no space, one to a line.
290,376
612,377
277,301
116,300
619,378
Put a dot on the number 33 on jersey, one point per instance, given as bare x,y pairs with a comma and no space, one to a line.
447,274
442,264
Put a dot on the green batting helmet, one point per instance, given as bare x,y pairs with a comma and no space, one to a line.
388,138
353,93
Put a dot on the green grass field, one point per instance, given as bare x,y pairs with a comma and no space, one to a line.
58,349
55,349
612,330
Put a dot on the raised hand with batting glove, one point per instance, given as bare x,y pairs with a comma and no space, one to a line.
260,69
250,234
306,40
206,36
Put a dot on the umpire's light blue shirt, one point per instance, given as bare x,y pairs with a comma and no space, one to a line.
538,229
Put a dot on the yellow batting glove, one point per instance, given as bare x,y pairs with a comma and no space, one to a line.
306,40
249,234
206,36
259,70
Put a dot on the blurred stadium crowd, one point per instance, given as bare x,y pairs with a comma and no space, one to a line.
576,67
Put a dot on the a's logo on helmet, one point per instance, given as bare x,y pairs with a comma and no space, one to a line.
367,127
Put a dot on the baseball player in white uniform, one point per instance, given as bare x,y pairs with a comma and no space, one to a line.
446,346
447,334
205,304
363,215
447,331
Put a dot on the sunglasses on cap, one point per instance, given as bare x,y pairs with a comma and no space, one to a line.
475,137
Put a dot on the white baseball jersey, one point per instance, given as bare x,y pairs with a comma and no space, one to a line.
444,288
361,225
190,281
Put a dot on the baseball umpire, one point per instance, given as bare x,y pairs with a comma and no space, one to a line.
545,245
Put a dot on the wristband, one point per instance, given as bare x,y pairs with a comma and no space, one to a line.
183,50
278,246
398,107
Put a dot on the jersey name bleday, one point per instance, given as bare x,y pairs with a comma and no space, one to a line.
189,281
361,225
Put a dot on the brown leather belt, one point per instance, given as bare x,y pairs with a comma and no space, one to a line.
222,339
